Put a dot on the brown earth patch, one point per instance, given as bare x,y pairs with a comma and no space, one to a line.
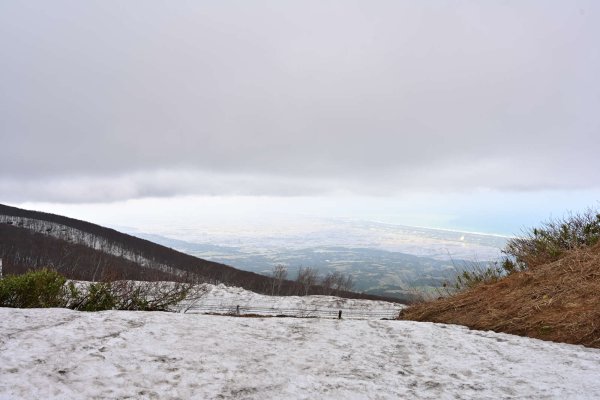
558,301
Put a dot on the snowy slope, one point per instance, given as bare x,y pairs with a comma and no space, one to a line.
223,299
62,354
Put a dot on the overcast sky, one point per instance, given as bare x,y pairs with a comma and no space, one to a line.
104,101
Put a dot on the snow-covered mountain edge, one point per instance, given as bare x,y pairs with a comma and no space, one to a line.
73,235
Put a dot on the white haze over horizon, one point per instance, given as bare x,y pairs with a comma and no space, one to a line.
492,213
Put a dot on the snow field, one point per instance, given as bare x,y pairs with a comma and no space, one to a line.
63,354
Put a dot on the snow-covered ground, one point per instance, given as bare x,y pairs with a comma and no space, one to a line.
63,354
224,299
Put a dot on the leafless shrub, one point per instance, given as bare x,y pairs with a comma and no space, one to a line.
131,295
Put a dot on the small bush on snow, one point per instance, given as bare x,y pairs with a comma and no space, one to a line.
47,288
35,289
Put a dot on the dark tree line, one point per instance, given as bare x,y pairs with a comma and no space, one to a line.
308,281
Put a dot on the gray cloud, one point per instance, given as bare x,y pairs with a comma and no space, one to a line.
109,100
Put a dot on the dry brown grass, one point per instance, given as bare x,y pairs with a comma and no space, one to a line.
558,301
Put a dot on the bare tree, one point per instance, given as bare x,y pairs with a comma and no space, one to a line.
307,277
279,274
329,282
335,281
347,283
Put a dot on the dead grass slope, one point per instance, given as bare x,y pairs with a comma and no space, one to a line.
559,301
